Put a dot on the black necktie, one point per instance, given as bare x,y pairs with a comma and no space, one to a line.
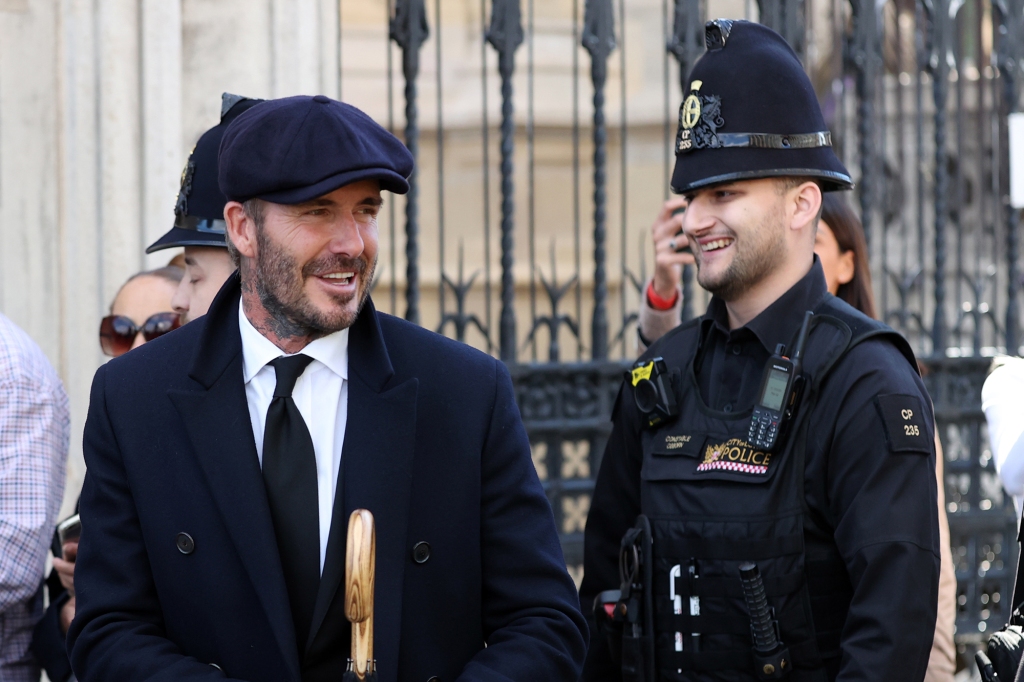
289,473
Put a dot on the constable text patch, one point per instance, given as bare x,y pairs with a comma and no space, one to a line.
678,444
903,417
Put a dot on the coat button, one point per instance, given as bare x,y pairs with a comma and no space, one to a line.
421,552
186,545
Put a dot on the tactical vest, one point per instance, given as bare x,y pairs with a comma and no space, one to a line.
715,502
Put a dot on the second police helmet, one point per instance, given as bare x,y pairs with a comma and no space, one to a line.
751,112
199,211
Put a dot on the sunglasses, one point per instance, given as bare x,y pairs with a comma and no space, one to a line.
117,332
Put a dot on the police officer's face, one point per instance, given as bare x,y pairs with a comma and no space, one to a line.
315,261
739,234
206,270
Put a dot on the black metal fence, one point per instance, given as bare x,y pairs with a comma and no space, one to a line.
917,94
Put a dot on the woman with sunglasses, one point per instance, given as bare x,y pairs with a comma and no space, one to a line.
141,310
140,313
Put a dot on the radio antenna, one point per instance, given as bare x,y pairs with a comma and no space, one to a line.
801,338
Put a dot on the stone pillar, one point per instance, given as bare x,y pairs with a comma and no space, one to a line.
30,267
304,41
77,148
162,155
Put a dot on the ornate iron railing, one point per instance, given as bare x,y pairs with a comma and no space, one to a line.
916,93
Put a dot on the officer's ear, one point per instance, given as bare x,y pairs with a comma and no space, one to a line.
241,229
804,207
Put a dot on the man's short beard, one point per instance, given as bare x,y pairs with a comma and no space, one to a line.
279,283
752,264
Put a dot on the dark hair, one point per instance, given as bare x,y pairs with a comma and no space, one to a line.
849,233
253,211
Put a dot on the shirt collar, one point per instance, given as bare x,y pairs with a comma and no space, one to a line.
779,322
258,350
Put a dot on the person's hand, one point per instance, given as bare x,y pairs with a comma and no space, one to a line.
66,567
67,614
666,232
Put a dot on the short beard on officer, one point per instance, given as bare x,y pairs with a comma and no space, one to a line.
279,281
757,252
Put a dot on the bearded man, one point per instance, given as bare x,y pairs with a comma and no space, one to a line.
225,458
793,439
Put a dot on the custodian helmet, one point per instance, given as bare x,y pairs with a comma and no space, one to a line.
199,211
751,112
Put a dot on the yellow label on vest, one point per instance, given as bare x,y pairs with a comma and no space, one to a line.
735,455
641,373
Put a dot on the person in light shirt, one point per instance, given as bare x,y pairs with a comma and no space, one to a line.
1001,399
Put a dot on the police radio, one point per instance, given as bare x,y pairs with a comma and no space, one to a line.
780,392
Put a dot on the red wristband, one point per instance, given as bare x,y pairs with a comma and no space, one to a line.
659,303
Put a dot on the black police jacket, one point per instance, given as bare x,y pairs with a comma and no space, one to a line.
841,521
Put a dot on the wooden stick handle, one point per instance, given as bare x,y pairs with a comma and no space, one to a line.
360,562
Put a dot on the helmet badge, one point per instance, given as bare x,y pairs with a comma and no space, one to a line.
700,117
187,173
691,107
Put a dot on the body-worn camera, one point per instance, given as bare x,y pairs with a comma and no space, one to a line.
654,390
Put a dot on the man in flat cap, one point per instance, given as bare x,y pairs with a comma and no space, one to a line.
774,506
225,458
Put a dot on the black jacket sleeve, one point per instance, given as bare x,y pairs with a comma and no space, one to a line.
880,492
49,644
613,511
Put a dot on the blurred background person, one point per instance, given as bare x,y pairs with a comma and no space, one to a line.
1004,412
842,249
35,430
141,312
199,220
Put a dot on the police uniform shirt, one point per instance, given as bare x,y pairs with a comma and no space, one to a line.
878,497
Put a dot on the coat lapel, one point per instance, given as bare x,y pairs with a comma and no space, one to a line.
217,422
377,461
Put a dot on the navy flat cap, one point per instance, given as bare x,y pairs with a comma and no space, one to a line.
295,149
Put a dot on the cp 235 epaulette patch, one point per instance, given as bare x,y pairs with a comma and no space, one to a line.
903,418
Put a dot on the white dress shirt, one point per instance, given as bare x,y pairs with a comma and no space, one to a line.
326,380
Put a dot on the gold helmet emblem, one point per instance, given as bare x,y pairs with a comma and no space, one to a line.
691,107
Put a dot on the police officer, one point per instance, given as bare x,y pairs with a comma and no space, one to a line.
838,514
199,219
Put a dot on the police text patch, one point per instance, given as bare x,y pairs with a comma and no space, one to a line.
735,455
903,417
